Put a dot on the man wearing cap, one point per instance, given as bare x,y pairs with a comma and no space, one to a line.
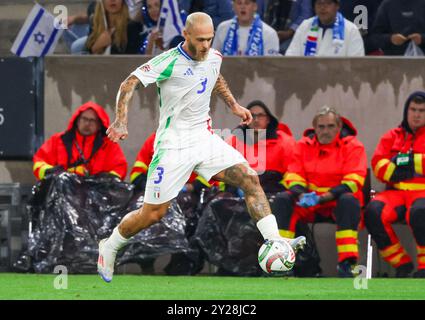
327,34
399,162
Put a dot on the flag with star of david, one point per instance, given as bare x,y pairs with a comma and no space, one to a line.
38,36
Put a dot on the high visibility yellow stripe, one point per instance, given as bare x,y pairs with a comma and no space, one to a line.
80,170
356,177
351,184
294,177
38,165
115,173
396,259
286,233
417,159
297,183
420,250
203,181
409,186
42,171
347,248
421,260
390,250
140,164
313,187
389,172
346,234
379,165
134,175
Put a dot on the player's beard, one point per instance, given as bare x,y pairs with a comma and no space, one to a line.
196,53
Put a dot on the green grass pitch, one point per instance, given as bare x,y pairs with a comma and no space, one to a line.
130,287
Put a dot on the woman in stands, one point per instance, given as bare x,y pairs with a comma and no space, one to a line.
112,31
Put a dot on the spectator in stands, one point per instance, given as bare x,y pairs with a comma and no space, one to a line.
78,30
285,17
112,30
398,161
218,10
397,23
246,34
326,34
267,146
325,181
368,7
83,148
151,37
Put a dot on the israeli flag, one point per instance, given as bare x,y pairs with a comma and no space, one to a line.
170,22
38,36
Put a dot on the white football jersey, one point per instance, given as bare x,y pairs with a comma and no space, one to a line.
184,88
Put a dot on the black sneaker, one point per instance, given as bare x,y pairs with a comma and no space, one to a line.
345,268
404,270
419,274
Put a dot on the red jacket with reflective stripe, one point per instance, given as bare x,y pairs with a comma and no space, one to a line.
144,158
107,157
391,143
322,167
278,152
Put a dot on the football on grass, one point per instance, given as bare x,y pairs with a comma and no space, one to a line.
276,256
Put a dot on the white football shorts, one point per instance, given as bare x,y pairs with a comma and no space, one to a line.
170,169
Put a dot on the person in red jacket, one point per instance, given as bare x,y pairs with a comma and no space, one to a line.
266,144
398,162
83,148
325,180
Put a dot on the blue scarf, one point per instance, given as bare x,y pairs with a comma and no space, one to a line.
255,45
337,35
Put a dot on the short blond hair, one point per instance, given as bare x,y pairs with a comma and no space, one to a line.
197,18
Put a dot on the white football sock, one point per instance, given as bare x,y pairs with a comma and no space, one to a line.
116,241
268,227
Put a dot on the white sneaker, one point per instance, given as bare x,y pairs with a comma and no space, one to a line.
106,261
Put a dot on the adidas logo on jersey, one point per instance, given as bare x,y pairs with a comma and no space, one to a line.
188,72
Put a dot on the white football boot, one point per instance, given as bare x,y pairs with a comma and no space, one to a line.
297,244
106,261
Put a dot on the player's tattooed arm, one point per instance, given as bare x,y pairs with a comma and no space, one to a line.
118,129
222,90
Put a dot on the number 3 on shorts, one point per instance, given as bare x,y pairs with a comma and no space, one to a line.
160,171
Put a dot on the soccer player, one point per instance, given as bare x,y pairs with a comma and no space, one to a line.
186,76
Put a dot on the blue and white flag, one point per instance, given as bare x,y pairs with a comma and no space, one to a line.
170,21
38,36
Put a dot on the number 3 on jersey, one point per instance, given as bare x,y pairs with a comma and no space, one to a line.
204,86
160,172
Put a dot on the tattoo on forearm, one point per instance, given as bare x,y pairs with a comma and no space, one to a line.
255,198
223,91
124,96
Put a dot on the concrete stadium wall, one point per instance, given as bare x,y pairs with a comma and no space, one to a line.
369,91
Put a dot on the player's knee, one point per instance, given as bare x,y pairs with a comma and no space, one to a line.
250,182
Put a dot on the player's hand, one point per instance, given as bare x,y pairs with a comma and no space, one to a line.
117,131
242,113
